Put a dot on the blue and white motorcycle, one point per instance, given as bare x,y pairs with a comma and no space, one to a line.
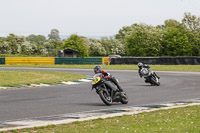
150,76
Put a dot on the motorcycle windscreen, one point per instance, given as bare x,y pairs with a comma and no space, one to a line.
96,78
111,85
97,75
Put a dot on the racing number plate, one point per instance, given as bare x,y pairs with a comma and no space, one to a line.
96,80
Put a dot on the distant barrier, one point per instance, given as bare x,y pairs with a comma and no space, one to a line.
97,61
158,60
2,60
29,61
78,61
105,61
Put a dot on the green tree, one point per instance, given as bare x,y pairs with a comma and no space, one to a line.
176,43
95,47
38,39
113,46
123,32
52,44
54,35
4,47
193,25
192,22
144,40
51,47
15,43
77,43
28,48
171,23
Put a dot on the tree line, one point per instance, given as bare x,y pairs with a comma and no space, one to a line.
173,38
32,45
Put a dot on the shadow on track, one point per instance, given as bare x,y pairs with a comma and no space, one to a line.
97,104
142,85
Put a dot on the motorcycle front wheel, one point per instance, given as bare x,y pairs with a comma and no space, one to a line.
105,98
154,81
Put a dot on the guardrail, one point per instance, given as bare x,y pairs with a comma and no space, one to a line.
2,60
49,61
105,61
194,60
29,60
78,61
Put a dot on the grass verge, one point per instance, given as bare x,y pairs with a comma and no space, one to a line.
177,120
14,78
195,68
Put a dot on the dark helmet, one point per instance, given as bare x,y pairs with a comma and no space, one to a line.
140,64
97,69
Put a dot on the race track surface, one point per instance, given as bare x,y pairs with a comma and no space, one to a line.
23,103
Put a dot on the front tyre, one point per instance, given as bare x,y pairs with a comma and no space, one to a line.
105,98
124,98
154,81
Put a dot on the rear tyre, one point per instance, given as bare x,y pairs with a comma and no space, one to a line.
105,98
124,98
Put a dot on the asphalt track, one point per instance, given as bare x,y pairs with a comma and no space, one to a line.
23,103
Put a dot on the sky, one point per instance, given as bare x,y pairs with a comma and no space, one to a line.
87,17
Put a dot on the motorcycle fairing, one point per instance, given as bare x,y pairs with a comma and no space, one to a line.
111,85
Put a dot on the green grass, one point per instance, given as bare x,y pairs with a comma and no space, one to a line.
178,120
14,78
195,68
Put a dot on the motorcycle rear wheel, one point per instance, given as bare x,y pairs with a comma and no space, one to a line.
124,98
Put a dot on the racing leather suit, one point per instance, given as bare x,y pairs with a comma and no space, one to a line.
148,67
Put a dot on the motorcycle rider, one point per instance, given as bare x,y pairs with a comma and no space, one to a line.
108,76
141,65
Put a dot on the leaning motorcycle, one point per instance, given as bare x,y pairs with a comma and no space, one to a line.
108,91
150,76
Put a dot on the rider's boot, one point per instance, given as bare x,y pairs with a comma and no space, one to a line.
119,88
114,80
